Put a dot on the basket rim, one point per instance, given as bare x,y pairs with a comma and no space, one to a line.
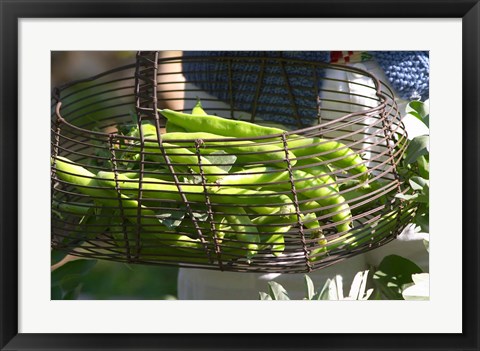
383,99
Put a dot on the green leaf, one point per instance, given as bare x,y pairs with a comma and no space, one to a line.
406,196
333,289
420,181
423,221
56,293
419,110
264,296
77,267
358,288
96,222
70,282
277,291
171,219
419,290
73,293
309,287
57,213
423,167
194,178
68,278
200,216
114,280
224,161
414,185
324,294
56,256
133,116
418,147
426,242
392,274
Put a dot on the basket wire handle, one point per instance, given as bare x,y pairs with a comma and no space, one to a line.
387,130
295,203
258,90
113,159
148,104
55,148
139,110
198,144
291,96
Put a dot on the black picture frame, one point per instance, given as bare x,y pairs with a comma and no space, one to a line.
12,11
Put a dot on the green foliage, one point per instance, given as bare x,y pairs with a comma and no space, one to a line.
418,147
419,110
92,279
396,278
332,289
68,279
392,275
415,167
419,290
113,280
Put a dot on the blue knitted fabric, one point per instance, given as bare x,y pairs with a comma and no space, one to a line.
271,92
265,92
407,71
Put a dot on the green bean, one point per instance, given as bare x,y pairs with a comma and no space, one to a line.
217,125
279,226
149,131
275,220
383,226
233,248
319,169
245,151
198,109
188,226
273,229
340,155
305,184
258,177
246,197
356,192
88,184
77,208
154,188
154,250
157,174
311,222
274,238
180,156
245,230
229,249
173,128
337,153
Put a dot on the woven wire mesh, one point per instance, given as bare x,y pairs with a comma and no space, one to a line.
173,213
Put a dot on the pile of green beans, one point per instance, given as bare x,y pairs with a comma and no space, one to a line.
237,193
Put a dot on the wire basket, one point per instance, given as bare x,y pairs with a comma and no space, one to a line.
319,190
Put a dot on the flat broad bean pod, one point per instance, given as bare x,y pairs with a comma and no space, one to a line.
245,151
356,192
87,183
179,157
154,250
154,188
273,238
305,183
316,166
173,128
339,154
245,230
